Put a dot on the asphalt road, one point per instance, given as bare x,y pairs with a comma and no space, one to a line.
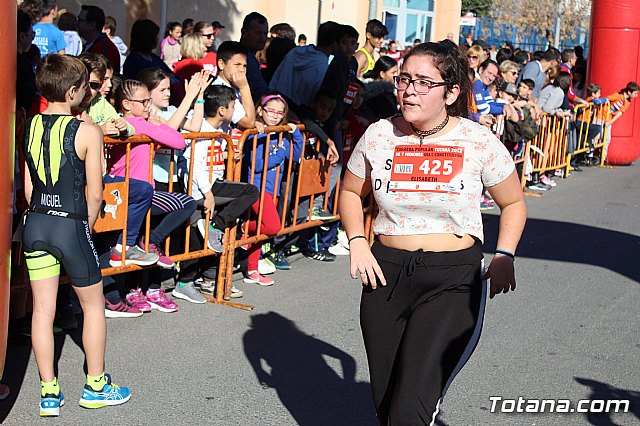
570,331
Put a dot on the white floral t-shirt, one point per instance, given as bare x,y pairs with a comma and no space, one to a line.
433,187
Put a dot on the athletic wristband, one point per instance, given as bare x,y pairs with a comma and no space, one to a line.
506,253
199,101
356,237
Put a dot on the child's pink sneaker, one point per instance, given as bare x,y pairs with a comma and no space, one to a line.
159,300
136,299
255,277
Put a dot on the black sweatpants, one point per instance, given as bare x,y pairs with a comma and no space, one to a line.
232,201
420,329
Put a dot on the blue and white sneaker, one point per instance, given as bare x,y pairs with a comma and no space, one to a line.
111,394
50,405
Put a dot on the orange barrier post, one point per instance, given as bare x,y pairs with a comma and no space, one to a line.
7,149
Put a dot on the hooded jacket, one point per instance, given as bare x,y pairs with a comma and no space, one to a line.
300,74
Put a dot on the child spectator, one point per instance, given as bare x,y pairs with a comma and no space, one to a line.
315,121
225,201
107,81
525,90
272,111
586,126
340,78
619,103
49,38
507,95
232,72
170,44
493,91
158,84
302,40
62,80
133,100
68,24
380,94
97,106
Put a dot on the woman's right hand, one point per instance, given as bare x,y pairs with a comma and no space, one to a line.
363,263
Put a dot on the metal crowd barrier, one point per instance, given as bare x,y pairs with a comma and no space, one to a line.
305,181
312,179
598,115
548,150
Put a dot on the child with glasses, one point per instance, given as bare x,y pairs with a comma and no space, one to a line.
271,111
95,104
133,100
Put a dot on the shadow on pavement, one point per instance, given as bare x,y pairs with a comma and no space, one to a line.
604,391
299,367
571,242
18,355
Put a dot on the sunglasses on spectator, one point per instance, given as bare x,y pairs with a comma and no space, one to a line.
473,57
95,85
421,86
145,102
207,35
274,113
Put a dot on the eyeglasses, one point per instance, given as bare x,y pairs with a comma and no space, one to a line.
95,85
145,102
274,113
207,35
514,72
420,85
473,57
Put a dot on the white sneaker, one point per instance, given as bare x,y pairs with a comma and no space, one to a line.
265,268
342,239
235,293
338,250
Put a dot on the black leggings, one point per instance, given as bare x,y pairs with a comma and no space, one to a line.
420,329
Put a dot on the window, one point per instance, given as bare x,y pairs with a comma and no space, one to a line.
425,5
408,20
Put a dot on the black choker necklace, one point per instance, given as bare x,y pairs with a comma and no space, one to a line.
424,133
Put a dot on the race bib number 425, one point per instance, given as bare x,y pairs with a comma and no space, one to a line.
427,168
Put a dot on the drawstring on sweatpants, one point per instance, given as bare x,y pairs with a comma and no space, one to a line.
409,267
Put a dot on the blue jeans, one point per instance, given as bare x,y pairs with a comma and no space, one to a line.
139,201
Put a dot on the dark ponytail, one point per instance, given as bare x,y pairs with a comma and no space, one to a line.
454,69
383,64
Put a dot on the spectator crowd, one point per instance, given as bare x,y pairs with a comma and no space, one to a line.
188,80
